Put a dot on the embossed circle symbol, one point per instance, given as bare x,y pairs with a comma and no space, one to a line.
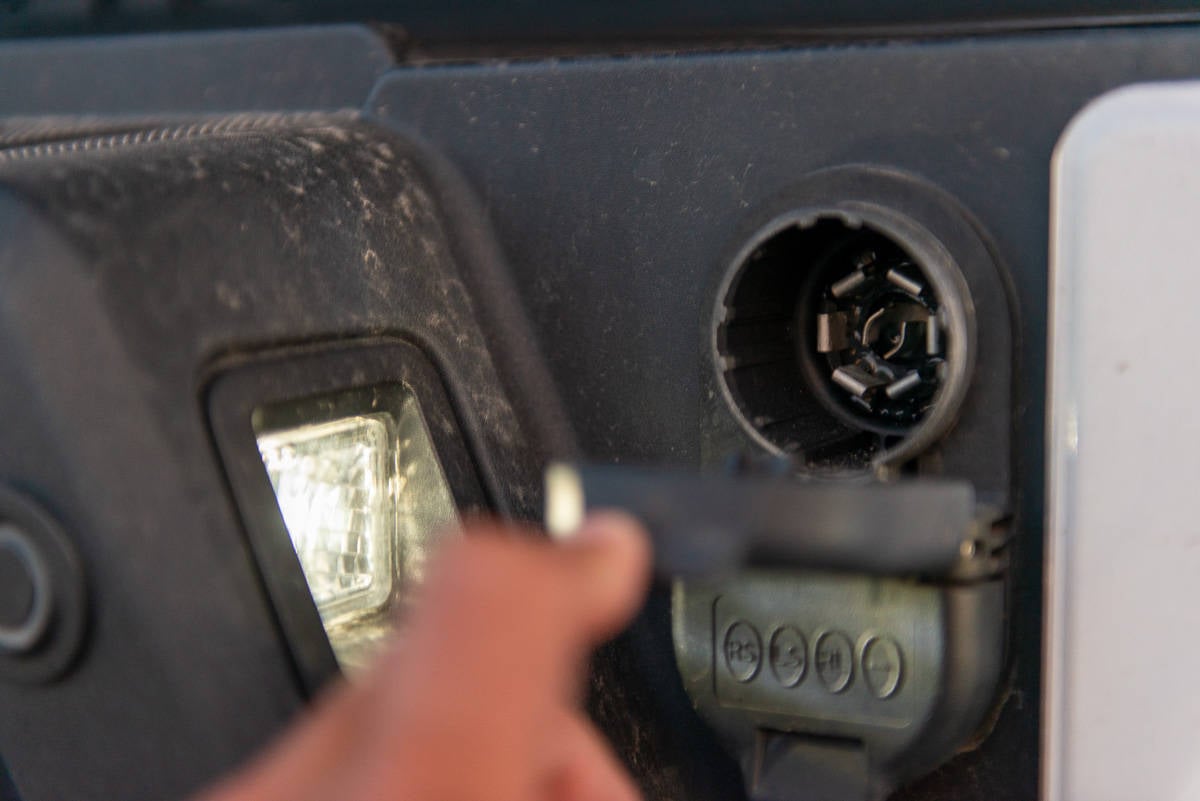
743,651
835,661
789,656
883,666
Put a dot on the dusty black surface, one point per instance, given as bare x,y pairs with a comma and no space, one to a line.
617,188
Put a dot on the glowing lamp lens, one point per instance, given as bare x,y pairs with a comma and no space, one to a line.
364,500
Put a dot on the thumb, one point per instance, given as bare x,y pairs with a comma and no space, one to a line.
518,613
495,648
610,558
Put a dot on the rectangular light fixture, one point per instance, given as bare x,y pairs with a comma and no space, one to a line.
365,500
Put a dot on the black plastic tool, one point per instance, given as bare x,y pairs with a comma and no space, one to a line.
713,524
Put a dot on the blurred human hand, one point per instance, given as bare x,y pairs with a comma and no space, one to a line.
478,700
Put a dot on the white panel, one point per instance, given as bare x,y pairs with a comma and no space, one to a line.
1122,707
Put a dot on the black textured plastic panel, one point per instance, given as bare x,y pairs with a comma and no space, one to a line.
618,188
132,264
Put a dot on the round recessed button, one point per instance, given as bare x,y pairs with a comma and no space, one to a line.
743,651
25,592
883,666
789,656
835,661
43,611
16,589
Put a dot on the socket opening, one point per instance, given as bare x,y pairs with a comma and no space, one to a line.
842,338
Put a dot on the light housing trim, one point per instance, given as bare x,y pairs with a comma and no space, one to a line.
300,385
